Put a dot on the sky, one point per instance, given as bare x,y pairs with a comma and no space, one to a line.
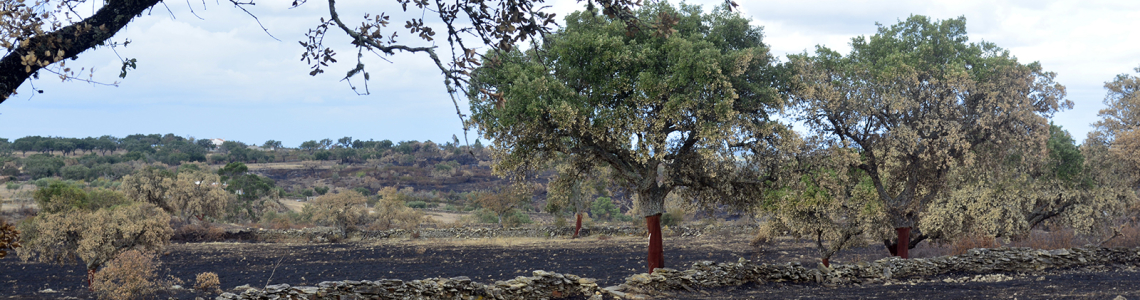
208,70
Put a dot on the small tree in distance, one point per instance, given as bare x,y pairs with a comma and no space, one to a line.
502,202
198,194
345,211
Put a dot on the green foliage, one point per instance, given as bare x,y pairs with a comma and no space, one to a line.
321,190
307,192
42,165
516,218
603,208
363,191
417,204
60,197
322,155
672,218
485,215
1065,159
43,182
76,172
977,105
232,169
12,185
701,80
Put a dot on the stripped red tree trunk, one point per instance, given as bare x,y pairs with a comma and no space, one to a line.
577,224
826,263
90,276
656,251
904,242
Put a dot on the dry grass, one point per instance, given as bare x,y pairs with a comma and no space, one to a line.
1049,240
200,232
507,241
972,241
1128,237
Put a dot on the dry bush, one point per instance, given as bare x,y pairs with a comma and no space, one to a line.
131,275
1128,236
198,194
929,249
284,220
202,232
344,211
9,237
207,283
762,238
971,241
391,212
1049,240
95,237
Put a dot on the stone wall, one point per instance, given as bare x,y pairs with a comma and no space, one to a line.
324,234
709,274
548,285
543,285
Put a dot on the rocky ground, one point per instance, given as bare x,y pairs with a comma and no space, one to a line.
608,259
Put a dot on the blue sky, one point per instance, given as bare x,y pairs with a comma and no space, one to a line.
223,77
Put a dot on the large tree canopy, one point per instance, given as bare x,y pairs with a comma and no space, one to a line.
918,101
674,105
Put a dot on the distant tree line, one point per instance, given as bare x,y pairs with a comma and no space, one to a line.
107,156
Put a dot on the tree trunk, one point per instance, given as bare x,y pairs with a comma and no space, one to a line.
903,243
90,276
826,263
656,251
577,224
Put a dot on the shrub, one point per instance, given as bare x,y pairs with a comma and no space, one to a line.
131,275
345,211
1049,240
392,213
672,218
201,232
972,241
321,190
516,218
603,208
95,237
43,182
76,172
485,216
286,220
9,237
207,283
417,204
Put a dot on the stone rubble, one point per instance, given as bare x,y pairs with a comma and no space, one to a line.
543,285
1005,259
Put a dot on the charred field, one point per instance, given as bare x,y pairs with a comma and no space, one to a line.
608,259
